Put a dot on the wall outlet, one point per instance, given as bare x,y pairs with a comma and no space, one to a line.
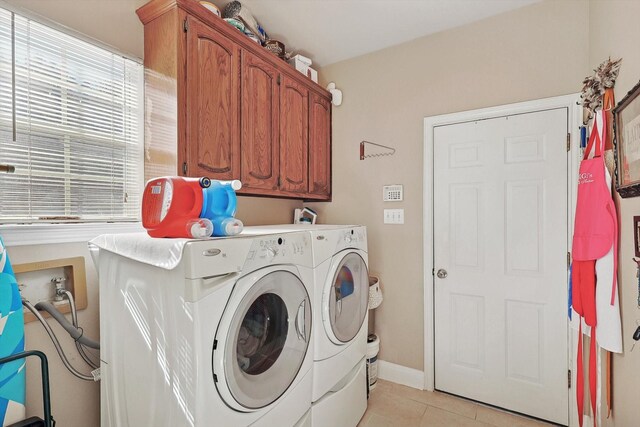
394,216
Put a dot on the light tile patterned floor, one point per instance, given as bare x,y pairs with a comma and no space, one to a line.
396,405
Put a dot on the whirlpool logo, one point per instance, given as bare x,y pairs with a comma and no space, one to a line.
585,178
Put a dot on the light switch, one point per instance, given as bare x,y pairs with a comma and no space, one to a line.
394,216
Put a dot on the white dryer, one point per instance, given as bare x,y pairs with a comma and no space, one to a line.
205,333
340,309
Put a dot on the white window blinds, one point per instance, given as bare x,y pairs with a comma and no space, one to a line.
71,122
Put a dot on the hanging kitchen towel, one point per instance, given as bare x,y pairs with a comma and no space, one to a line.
12,374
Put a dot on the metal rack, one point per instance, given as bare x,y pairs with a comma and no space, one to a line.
48,420
388,151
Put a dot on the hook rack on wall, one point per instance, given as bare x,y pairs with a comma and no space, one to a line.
388,150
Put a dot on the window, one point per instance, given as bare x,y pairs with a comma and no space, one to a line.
71,123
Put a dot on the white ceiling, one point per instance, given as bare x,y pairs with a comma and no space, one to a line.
329,31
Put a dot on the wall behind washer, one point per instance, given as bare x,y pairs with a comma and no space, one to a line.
534,52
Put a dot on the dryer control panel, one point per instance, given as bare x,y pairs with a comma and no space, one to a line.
352,238
286,248
328,242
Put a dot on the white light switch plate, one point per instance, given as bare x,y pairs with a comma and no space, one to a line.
394,216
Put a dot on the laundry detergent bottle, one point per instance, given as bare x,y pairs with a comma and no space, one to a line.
171,207
219,206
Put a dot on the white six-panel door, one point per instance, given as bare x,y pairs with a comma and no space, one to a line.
500,238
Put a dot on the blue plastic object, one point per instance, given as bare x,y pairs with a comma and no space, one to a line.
583,137
12,374
219,205
226,226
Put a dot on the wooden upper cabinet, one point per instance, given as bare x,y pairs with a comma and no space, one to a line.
319,146
213,98
294,136
260,118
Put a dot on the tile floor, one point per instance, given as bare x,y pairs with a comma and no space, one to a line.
397,405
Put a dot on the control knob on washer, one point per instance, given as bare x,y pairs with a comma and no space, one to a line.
272,252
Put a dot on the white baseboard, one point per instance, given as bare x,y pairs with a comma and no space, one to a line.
400,374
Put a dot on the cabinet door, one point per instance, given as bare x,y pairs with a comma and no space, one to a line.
213,100
294,136
319,146
260,105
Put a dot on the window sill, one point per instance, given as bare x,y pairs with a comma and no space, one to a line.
44,234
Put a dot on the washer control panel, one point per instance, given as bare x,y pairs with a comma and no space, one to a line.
279,249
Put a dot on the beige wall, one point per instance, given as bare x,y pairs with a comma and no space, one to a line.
113,22
614,31
534,52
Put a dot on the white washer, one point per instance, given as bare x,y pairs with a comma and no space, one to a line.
340,310
209,332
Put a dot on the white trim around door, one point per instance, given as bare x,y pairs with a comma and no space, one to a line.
575,120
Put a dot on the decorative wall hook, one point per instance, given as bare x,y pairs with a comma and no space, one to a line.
387,151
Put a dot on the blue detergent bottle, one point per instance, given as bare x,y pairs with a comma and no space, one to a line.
219,204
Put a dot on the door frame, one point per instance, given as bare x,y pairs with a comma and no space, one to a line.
574,121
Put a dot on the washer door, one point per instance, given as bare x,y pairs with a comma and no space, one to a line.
266,340
347,298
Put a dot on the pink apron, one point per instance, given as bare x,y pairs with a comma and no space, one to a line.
595,232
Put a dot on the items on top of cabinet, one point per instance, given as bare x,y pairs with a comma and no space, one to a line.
212,7
238,11
386,151
303,64
276,47
238,15
236,23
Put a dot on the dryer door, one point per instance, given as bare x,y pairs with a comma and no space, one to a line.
264,342
346,299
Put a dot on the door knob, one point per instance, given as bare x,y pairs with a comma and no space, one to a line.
442,273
